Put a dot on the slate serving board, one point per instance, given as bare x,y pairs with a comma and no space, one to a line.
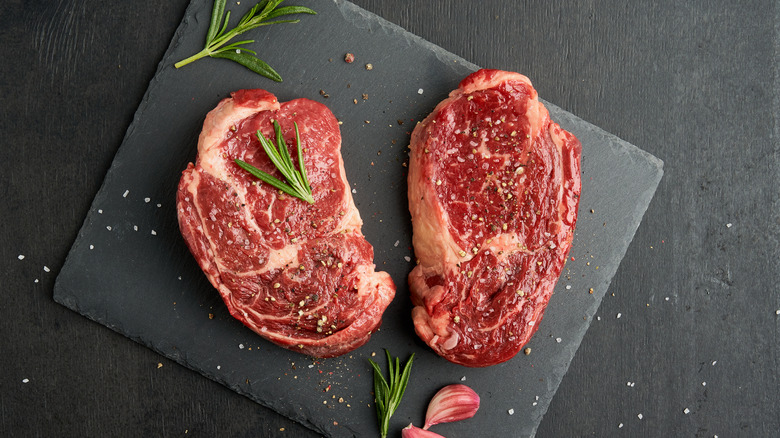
130,270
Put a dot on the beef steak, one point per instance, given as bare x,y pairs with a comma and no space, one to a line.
494,187
300,275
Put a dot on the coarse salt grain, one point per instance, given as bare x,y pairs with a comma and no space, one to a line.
241,346
568,286
135,227
620,426
714,362
407,258
91,246
219,367
463,379
354,191
127,192
20,257
777,312
640,416
667,298
619,315
25,380
558,340
154,233
397,242
703,383
598,318
534,404
686,411
147,200
46,269
159,205
511,412
108,227
728,225
420,91
100,211
36,280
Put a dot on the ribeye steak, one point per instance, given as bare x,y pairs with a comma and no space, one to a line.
300,275
494,187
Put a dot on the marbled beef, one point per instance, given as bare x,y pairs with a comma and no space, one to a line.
494,187
300,275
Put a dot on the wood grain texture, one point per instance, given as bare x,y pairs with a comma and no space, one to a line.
695,84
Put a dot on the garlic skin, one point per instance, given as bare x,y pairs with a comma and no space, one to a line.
412,431
451,403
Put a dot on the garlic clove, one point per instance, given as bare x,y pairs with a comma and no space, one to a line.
451,403
412,431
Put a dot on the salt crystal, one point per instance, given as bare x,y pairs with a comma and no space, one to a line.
777,312
46,268
25,380
147,200
311,365
620,426
179,277
154,233
463,379
36,280
420,91
534,404
619,315
124,195
354,191
219,367
686,411
407,258
598,318
639,416
667,298
100,211
714,362
568,286
135,227
728,225
91,246
396,243
159,205
241,346
537,397
558,340
20,257
703,383
108,227
511,412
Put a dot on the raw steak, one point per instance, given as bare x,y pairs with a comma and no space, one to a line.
494,187
300,275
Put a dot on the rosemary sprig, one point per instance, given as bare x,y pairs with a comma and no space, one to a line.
217,37
388,396
297,182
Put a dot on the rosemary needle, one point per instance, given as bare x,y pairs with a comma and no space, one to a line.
217,37
387,396
297,181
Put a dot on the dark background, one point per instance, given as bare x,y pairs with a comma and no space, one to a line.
695,84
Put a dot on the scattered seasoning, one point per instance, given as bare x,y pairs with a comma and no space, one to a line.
324,94
369,67
527,351
159,365
349,58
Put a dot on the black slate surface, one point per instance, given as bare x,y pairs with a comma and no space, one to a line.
130,270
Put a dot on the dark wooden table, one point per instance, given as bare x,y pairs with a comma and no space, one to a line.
688,339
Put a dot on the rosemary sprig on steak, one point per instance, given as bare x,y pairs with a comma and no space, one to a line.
217,39
388,396
297,182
